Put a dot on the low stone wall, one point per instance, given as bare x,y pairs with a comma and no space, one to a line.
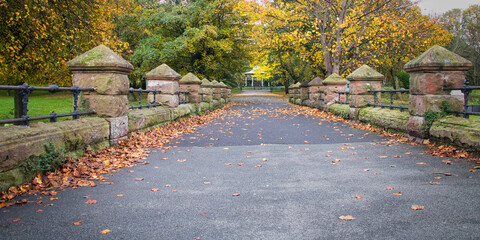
386,118
18,144
458,131
342,110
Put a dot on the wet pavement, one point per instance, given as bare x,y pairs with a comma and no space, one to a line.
264,172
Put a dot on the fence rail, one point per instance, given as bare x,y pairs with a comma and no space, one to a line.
340,93
148,105
21,105
183,100
391,92
466,90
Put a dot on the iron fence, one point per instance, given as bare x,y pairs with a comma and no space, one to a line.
392,93
466,90
148,105
347,95
183,100
201,96
21,103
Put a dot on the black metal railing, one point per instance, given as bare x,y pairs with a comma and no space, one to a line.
21,106
391,93
322,93
148,105
340,93
201,96
466,90
184,99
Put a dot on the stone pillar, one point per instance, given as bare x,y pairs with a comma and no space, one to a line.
429,73
217,91
315,87
191,83
333,84
296,93
361,80
104,70
164,79
229,93
304,93
291,94
207,90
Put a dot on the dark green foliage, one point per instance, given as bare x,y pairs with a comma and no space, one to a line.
50,160
404,79
430,117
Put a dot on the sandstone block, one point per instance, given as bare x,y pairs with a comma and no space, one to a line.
419,104
359,101
105,105
414,127
166,87
118,128
362,87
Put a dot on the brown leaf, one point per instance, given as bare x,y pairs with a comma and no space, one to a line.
357,197
155,189
120,195
174,191
398,194
39,210
207,183
91,202
106,231
389,188
434,183
258,165
17,219
240,164
346,218
421,163
264,159
236,194
139,179
383,157
168,185
79,223
417,207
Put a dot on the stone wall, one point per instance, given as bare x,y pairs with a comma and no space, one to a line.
386,118
104,70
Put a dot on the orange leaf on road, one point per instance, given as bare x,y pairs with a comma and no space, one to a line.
79,223
91,202
106,231
139,179
417,207
346,218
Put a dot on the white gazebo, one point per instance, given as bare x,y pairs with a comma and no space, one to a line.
252,81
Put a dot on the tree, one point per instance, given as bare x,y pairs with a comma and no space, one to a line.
38,37
207,38
465,27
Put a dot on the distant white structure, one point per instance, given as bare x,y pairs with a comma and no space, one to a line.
252,81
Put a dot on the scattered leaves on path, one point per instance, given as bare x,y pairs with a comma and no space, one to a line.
346,218
155,189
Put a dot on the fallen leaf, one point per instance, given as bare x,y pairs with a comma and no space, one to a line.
91,202
155,189
358,197
398,194
240,164
106,231
174,191
471,170
204,213
328,155
366,170
53,198
417,207
168,185
139,179
120,195
346,218
305,141
437,177
39,210
236,194
389,188
258,165
207,183
79,223
421,163
228,164
434,183
107,183
397,156
182,160
383,157
17,219
264,159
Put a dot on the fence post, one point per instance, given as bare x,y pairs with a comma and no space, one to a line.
207,90
107,72
333,84
224,92
191,83
165,80
429,73
295,92
361,80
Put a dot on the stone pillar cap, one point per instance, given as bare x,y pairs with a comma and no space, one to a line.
334,79
206,83
215,84
163,72
365,73
100,59
189,79
223,84
296,85
316,82
304,84
438,58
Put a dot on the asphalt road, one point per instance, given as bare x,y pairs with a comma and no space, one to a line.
261,173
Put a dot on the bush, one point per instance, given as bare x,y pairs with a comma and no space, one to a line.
50,160
404,79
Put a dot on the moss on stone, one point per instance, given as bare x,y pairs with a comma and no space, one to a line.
342,110
386,118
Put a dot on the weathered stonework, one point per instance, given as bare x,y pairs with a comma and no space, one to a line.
207,90
191,83
104,70
315,88
429,73
217,90
389,119
118,128
333,84
166,80
459,131
362,80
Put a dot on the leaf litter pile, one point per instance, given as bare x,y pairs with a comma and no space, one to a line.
91,168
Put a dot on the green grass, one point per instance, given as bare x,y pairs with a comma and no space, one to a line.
39,104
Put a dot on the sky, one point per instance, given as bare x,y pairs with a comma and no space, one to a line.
440,6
